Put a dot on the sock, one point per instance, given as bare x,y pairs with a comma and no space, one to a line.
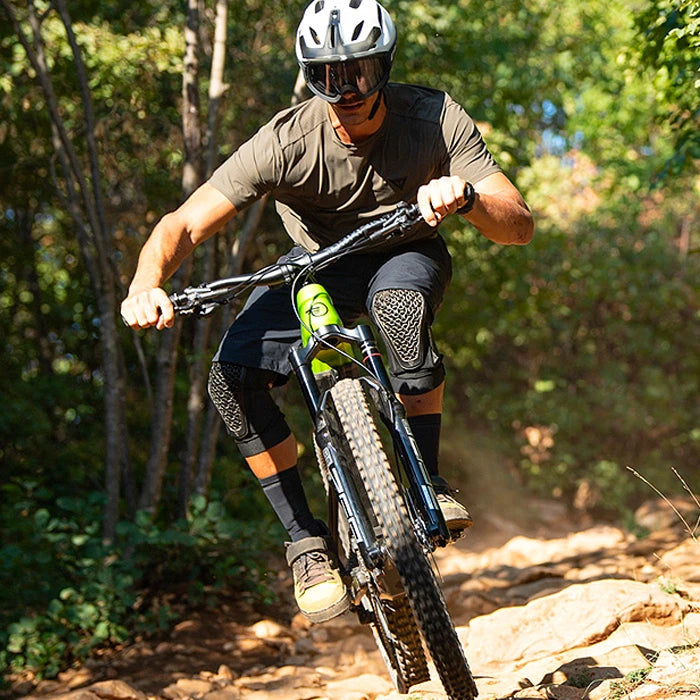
426,430
287,498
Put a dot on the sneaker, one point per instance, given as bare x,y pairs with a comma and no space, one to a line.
457,517
319,591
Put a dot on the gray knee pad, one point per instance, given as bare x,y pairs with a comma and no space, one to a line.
403,320
242,398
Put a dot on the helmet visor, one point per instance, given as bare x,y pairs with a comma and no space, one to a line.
363,76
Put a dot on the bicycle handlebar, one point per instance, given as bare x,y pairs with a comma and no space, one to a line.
205,298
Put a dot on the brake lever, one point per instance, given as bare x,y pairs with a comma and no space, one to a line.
188,301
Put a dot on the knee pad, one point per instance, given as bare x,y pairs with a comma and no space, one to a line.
403,320
242,398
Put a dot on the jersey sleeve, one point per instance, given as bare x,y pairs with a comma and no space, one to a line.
467,154
251,171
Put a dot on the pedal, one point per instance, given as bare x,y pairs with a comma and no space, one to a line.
457,535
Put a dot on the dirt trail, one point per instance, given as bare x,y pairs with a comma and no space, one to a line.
593,614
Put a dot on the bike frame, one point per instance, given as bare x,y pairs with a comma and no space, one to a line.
430,524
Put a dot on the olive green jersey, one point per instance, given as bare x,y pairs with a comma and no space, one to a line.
324,188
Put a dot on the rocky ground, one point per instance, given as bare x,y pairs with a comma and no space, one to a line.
594,613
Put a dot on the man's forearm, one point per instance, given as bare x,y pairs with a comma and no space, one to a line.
502,218
161,255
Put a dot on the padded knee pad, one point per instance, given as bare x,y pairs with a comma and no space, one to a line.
242,398
403,320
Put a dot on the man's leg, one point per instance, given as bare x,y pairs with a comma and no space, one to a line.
424,414
403,318
242,397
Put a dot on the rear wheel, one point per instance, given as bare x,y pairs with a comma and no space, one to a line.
356,432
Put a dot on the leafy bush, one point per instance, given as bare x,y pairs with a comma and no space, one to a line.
583,346
67,592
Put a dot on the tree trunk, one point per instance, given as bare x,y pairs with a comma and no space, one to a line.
239,250
198,372
167,354
212,423
84,202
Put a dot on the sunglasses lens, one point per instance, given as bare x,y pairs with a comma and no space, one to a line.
362,76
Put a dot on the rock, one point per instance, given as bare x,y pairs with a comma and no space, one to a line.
648,636
224,673
223,694
364,687
188,688
677,669
524,551
268,629
551,692
658,514
76,677
580,615
104,690
682,562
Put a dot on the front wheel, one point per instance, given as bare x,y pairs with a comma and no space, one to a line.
359,433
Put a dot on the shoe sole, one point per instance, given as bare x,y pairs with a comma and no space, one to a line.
459,524
338,608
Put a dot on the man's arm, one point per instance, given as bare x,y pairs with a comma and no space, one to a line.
499,213
174,237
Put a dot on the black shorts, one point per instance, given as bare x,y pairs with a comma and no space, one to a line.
267,327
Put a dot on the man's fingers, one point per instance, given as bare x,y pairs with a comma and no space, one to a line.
148,308
440,197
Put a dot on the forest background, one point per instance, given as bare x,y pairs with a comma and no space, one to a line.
573,358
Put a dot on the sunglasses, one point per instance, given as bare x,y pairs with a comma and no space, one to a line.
363,76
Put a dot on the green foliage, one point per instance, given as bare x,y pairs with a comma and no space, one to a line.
620,689
66,592
574,343
669,48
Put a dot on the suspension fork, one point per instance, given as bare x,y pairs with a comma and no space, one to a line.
341,487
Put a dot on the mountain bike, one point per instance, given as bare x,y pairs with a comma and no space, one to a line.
383,514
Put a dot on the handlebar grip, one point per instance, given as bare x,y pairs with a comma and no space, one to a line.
469,199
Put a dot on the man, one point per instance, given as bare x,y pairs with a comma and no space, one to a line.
348,154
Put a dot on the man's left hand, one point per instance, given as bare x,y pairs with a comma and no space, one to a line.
441,197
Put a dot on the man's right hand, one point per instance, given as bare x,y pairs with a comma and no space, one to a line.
147,308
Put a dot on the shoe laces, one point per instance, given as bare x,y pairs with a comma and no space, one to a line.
312,568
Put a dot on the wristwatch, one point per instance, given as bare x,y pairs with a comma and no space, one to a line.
469,198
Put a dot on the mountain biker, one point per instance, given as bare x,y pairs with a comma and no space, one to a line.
348,154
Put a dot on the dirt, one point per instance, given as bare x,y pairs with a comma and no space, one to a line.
238,651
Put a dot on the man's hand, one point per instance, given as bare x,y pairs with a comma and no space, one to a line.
441,197
147,308
499,212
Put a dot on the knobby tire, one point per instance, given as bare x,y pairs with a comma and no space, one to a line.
400,541
394,627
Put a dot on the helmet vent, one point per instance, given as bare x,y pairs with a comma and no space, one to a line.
374,36
355,4
319,6
314,36
357,31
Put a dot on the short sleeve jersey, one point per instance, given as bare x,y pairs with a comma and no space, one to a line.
324,188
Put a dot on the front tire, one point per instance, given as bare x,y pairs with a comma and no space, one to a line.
358,430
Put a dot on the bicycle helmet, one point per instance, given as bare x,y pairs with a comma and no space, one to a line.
345,45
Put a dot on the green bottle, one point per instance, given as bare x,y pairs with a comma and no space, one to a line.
316,310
